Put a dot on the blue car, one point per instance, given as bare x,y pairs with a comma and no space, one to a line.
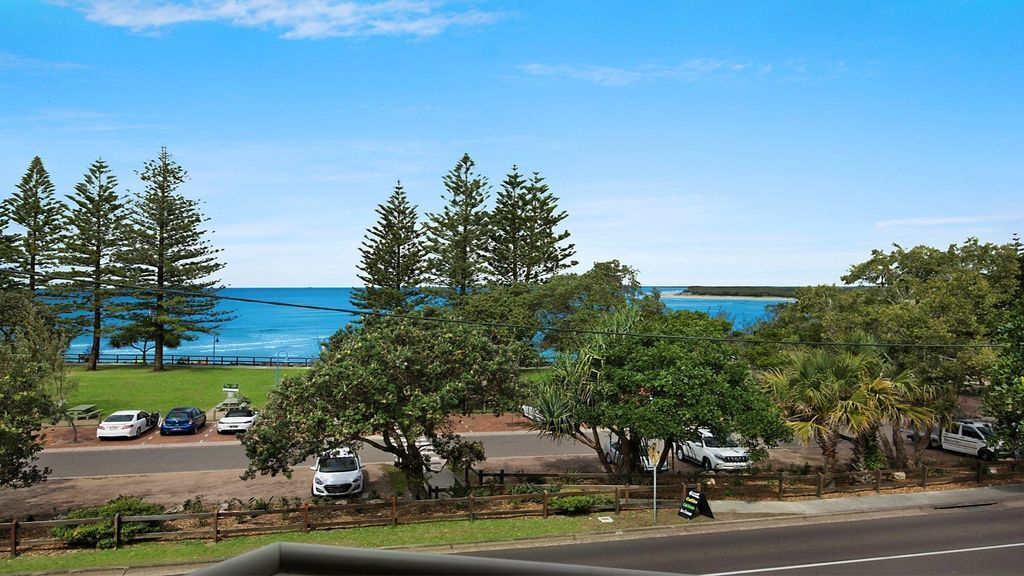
183,419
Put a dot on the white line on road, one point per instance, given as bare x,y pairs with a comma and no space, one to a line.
874,559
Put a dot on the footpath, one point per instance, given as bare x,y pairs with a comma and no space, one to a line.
787,513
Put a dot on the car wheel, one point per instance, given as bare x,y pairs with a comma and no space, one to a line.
986,454
680,455
933,442
707,465
138,432
162,433
195,428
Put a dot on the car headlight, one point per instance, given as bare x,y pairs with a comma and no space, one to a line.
358,480
717,455
318,481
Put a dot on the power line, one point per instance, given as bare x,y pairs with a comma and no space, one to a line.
486,324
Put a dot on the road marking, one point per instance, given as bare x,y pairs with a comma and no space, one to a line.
862,560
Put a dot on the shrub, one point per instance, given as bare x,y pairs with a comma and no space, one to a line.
572,505
101,534
524,488
194,505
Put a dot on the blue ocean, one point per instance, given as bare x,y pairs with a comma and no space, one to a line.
281,332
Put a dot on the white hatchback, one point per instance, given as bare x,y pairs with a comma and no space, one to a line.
337,473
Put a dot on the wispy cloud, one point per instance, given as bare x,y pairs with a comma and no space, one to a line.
689,71
950,220
9,61
300,19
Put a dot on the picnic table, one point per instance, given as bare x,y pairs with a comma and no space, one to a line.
84,412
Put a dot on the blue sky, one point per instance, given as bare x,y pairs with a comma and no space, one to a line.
700,142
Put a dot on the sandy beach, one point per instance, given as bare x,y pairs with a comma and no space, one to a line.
710,297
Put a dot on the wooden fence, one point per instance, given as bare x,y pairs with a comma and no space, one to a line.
217,525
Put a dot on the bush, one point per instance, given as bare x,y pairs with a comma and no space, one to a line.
194,505
101,534
572,505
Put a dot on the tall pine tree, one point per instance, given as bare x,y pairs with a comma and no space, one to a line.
455,238
523,245
92,251
393,265
34,209
169,250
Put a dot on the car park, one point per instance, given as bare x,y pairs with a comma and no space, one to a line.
713,453
126,424
237,420
337,472
187,419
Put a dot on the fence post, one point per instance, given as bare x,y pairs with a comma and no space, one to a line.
782,483
546,503
216,525
924,476
394,510
878,481
14,538
117,530
821,483
480,477
501,476
981,468
305,516
465,474
472,512
618,499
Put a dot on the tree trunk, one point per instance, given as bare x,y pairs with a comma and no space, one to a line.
94,351
829,451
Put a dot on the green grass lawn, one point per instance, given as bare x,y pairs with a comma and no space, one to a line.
114,388
454,532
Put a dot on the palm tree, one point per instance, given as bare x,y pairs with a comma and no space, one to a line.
825,393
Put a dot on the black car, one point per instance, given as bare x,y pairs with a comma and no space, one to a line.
183,419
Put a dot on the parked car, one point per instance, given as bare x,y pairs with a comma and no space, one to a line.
614,455
126,424
237,420
972,437
338,472
183,419
713,453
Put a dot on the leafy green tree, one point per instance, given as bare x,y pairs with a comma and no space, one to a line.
8,257
31,354
139,332
455,238
169,250
1004,397
39,215
523,245
95,241
664,388
384,384
393,265
825,392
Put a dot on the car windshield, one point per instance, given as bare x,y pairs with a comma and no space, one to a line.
239,413
985,430
120,418
712,442
177,416
341,464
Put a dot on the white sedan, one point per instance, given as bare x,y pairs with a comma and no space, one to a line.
126,424
237,420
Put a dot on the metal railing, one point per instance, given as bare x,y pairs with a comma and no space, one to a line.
194,360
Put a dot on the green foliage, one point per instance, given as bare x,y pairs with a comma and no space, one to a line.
1004,397
393,264
455,237
523,245
194,505
582,504
31,367
397,378
39,216
95,241
169,250
101,534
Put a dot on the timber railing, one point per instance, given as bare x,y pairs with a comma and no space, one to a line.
194,360
542,501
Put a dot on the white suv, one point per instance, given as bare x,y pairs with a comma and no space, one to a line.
337,473
713,453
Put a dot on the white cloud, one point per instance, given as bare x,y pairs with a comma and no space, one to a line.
9,61
300,19
950,220
689,71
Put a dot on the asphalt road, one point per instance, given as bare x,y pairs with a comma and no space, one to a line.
127,459
987,540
